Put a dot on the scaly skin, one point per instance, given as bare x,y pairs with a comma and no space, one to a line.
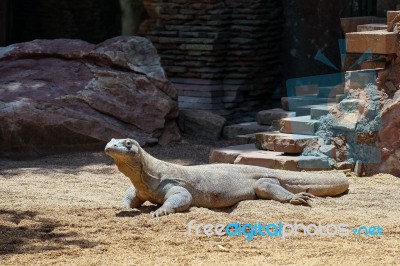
177,187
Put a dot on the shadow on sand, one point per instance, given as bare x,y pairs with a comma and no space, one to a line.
24,232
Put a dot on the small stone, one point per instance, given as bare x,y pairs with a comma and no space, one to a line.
359,168
328,150
344,166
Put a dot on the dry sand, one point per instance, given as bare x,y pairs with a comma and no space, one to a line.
64,210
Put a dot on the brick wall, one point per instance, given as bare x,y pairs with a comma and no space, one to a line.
222,56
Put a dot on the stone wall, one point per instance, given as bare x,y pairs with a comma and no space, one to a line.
222,56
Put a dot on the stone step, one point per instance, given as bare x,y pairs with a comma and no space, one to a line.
306,110
340,97
391,15
299,125
245,139
350,105
249,155
350,24
281,142
360,78
344,128
267,117
318,111
292,103
376,42
330,92
370,27
229,154
278,160
231,131
370,64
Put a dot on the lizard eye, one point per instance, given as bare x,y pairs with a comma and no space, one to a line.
128,144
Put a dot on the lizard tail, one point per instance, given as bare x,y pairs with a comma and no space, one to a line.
326,183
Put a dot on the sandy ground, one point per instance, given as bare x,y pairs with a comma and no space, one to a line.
64,210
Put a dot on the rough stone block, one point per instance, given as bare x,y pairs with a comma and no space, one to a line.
318,111
328,150
376,42
299,125
281,142
267,117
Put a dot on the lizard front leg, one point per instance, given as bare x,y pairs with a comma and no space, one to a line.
177,199
269,188
131,200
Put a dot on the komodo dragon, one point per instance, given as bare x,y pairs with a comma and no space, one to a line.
178,187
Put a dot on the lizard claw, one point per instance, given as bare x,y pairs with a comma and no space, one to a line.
161,212
301,198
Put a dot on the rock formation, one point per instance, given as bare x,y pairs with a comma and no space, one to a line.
66,95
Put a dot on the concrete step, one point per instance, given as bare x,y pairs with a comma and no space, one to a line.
330,92
267,117
292,103
281,142
299,125
231,131
370,27
249,155
318,111
376,42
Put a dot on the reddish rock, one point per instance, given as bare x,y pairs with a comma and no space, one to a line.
68,95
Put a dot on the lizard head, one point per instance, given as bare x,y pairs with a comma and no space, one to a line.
123,149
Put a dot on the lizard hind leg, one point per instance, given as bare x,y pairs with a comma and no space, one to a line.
270,188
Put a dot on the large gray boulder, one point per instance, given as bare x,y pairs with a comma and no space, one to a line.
68,95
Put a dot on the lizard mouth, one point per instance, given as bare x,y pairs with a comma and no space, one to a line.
113,151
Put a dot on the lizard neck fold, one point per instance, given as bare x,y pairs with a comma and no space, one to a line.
140,169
